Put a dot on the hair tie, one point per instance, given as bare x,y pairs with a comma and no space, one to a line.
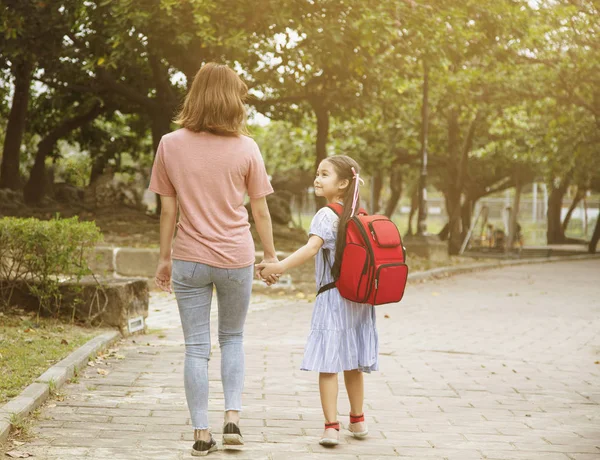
359,181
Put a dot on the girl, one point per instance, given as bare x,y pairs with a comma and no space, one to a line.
204,170
343,336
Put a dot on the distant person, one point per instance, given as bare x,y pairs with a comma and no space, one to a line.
204,171
519,236
489,235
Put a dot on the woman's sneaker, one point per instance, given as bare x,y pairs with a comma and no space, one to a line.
358,426
232,435
202,448
331,435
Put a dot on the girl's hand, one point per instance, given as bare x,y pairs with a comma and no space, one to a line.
163,275
268,270
268,280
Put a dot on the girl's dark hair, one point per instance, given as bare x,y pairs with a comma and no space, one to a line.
343,168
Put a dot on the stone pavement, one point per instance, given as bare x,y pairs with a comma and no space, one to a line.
500,364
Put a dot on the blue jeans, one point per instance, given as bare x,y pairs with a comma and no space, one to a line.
193,285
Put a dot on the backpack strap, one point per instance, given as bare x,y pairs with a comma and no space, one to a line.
326,287
337,208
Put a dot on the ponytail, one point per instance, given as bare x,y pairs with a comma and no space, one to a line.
343,166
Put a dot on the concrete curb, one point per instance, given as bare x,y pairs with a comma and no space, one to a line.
38,392
442,272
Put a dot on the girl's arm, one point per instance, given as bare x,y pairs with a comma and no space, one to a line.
168,219
306,252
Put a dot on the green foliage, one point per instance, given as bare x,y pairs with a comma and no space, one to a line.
42,254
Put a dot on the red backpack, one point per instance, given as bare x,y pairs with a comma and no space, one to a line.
373,268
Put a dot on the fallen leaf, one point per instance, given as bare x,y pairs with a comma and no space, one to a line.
51,405
64,342
91,364
301,295
16,454
597,362
386,316
435,294
102,371
18,443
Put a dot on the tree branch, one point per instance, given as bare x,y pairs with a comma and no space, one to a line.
125,90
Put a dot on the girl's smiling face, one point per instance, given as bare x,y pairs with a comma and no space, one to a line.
327,183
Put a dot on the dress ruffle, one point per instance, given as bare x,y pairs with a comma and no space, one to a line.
334,351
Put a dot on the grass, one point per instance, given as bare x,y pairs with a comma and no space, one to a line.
28,348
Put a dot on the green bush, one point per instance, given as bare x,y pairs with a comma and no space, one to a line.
42,254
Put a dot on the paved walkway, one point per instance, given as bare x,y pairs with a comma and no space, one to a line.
500,364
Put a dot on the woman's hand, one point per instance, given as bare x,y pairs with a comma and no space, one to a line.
269,270
269,280
163,275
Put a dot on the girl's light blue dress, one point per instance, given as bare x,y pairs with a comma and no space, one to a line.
343,334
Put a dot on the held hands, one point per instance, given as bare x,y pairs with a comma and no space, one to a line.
270,276
268,270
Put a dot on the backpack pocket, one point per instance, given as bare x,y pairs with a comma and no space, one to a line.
385,233
390,282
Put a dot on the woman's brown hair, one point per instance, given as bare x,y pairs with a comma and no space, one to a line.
215,102
343,168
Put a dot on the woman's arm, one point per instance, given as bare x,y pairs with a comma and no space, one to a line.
264,226
306,252
168,219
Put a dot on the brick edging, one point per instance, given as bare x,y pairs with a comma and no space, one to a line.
456,270
38,392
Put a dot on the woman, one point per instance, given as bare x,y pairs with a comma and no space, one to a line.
204,170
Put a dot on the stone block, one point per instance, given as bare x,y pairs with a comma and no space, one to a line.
102,260
101,301
136,262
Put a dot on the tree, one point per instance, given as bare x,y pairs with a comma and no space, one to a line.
31,34
324,64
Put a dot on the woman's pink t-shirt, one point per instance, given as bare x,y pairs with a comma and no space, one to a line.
210,176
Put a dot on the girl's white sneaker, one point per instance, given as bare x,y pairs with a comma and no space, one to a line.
358,426
331,435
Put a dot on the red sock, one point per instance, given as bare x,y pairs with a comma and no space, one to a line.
357,418
334,425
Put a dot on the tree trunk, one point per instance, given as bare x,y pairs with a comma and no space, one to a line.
454,185
322,115
376,186
576,199
459,156
555,233
98,165
514,216
454,223
396,192
36,186
414,205
595,237
422,217
466,216
9,170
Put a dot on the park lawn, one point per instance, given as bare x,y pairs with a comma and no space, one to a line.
28,348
